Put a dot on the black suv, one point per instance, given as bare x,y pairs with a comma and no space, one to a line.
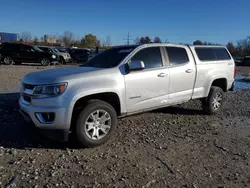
17,53
80,55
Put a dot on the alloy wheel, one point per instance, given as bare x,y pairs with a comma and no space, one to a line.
217,100
98,124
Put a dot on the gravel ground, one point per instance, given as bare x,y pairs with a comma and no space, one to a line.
171,147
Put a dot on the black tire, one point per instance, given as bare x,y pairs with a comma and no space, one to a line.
81,132
62,61
45,62
209,105
8,60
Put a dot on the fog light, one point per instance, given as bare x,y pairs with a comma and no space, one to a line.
45,117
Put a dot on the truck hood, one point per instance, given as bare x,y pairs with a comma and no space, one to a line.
55,75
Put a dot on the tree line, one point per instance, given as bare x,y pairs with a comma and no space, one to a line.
68,39
240,48
147,39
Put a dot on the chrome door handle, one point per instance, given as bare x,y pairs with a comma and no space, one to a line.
162,74
189,71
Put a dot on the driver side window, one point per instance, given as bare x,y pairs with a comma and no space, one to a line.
26,49
150,56
31,50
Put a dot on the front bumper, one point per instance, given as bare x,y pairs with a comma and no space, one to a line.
67,60
57,129
55,134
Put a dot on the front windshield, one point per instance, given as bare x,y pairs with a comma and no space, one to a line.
61,50
109,58
55,50
37,49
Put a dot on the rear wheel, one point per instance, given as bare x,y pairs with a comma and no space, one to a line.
8,60
96,123
214,102
45,62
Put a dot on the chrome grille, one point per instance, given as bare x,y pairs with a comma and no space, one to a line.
27,92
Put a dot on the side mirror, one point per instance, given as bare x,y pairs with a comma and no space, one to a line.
136,65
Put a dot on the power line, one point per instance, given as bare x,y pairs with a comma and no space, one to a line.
128,39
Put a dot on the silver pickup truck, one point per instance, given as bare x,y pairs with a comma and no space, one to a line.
88,100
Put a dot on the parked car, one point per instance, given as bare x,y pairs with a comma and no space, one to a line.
122,81
64,56
94,53
80,55
245,61
63,49
18,53
238,60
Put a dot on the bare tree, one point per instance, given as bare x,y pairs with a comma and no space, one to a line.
106,42
35,41
41,39
67,38
243,47
59,39
137,40
26,36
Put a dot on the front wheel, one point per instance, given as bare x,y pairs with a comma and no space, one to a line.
62,61
214,102
8,60
45,62
96,123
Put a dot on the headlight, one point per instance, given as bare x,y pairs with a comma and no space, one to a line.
66,56
49,90
53,56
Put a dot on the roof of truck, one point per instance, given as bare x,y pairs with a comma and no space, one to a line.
206,46
165,44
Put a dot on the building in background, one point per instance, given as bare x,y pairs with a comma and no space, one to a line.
51,39
8,37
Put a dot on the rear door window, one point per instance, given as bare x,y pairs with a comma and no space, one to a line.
177,56
44,49
7,46
24,48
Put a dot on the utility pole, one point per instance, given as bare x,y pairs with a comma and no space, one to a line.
128,39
